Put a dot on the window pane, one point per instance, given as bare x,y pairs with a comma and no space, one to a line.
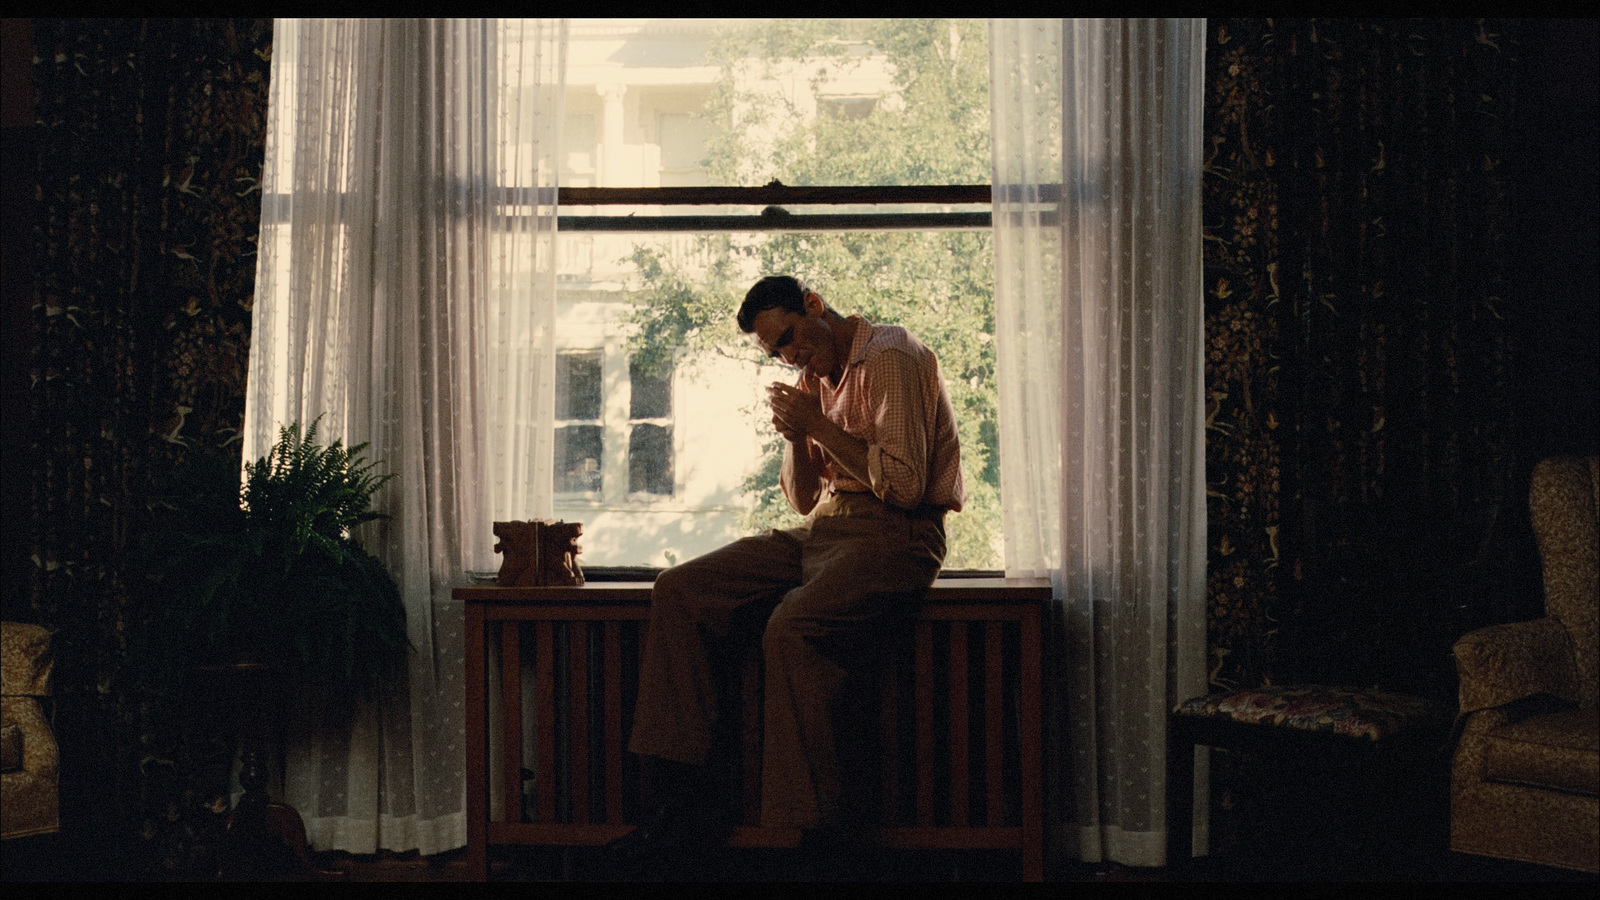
578,458
650,460
847,107
578,141
670,299
651,396
684,138
578,385
808,101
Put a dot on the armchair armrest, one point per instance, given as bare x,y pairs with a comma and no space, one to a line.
1504,663
26,660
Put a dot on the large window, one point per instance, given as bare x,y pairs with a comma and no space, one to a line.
702,154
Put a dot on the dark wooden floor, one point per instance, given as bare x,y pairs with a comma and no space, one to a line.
1256,837
46,859
748,865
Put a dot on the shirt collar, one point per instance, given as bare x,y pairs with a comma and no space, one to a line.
858,342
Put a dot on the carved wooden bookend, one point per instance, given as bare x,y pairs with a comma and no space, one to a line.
538,553
519,549
558,553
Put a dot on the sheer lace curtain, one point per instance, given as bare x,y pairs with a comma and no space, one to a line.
1097,156
405,295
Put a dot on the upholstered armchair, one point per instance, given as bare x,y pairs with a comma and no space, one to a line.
29,783
1524,781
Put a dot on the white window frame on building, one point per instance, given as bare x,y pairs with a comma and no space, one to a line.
622,421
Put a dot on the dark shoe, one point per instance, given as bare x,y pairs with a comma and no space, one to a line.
834,853
675,834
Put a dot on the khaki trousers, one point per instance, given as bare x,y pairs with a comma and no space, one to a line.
828,589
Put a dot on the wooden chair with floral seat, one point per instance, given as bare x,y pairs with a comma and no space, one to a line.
1361,753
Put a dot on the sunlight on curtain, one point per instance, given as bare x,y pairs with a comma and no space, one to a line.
1099,328
406,294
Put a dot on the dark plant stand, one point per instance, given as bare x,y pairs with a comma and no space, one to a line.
265,840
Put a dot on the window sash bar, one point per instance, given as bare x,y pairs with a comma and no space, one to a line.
777,219
775,195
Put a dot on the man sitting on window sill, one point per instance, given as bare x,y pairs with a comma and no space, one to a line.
873,461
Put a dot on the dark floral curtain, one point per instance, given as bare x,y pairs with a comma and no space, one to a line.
150,137
1358,253
1243,291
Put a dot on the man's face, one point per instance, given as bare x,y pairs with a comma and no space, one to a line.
805,342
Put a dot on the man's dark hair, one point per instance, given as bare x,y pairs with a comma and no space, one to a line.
771,292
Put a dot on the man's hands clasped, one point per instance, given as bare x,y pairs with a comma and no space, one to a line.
795,412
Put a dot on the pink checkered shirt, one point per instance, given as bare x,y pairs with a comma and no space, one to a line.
892,396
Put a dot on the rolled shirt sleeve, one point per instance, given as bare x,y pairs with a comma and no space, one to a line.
897,461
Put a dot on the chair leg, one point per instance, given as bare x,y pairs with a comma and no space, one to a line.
1180,797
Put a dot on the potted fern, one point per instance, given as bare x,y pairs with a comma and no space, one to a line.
268,572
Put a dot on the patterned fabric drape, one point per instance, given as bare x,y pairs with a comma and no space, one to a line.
1358,339
149,147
